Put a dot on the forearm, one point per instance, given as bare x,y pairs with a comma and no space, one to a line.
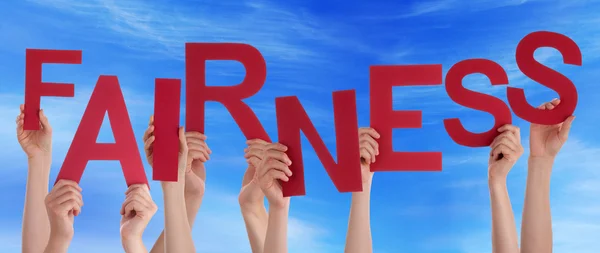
57,245
276,236
504,231
133,245
177,233
536,231
358,238
256,220
36,226
192,205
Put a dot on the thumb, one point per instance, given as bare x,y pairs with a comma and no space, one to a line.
44,121
563,134
182,140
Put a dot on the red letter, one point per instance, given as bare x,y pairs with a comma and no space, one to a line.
384,118
35,88
547,77
476,100
106,98
292,118
197,92
165,151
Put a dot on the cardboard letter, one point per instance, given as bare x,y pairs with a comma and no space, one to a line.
292,118
165,151
384,118
106,98
197,92
476,100
547,77
35,88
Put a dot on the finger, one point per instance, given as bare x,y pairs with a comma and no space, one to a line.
506,152
22,108
195,135
151,121
277,146
505,140
139,194
61,191
555,101
274,164
44,121
369,141
136,186
549,106
542,106
254,152
563,133
148,133
516,131
69,195
198,146
135,205
256,142
198,155
64,182
276,174
371,152
70,205
364,154
506,134
148,143
369,131
281,156
182,141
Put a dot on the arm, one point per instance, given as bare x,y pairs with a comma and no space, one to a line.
251,198
136,212
273,167
358,237
37,144
36,227
545,143
177,232
276,237
506,149
536,230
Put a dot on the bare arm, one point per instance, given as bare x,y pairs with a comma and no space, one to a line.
504,230
358,238
506,149
37,145
545,142
536,230
36,226
177,232
276,237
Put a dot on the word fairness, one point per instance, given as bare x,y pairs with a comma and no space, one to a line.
292,119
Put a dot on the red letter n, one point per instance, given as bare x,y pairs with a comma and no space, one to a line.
384,118
197,92
35,88
292,118
106,98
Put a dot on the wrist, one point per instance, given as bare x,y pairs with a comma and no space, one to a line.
59,242
280,205
132,243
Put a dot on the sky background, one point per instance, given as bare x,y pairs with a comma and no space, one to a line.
311,48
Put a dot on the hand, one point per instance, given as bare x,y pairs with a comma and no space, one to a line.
273,167
137,210
251,194
63,203
183,154
149,141
545,141
198,154
506,150
35,143
369,149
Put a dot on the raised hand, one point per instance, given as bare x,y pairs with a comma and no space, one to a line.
136,212
545,141
274,167
369,149
251,194
35,143
505,151
63,203
198,154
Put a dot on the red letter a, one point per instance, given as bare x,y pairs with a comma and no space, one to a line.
106,98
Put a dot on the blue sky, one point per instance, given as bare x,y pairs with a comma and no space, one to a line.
312,48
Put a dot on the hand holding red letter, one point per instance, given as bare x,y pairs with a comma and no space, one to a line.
63,203
506,150
547,140
136,212
273,167
35,143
